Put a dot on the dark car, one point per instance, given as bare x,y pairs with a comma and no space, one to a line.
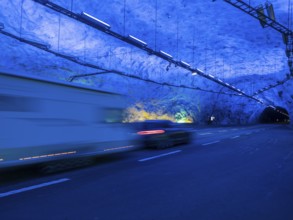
162,133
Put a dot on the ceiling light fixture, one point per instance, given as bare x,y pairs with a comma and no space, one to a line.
137,41
184,64
91,18
199,71
166,54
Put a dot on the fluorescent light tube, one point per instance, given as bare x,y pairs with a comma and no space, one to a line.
136,40
95,20
166,54
185,64
200,71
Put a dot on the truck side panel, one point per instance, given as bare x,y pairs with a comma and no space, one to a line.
42,120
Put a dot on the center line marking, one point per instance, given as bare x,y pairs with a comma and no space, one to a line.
210,143
32,187
161,155
235,137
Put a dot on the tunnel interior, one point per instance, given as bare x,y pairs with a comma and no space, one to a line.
274,115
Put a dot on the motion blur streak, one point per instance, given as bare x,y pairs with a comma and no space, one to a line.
117,148
151,132
48,155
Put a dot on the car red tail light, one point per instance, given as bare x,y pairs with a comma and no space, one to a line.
151,132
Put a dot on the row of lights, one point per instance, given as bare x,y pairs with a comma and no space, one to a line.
277,110
272,86
76,60
131,38
105,27
142,43
137,41
168,56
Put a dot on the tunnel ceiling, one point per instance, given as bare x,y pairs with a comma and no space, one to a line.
211,36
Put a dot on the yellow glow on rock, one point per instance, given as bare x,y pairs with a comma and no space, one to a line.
185,120
133,115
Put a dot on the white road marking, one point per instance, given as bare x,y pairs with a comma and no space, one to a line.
235,137
32,187
205,133
161,155
222,130
210,143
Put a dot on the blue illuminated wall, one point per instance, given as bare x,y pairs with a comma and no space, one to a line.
212,36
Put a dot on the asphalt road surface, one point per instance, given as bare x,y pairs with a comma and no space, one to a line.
225,173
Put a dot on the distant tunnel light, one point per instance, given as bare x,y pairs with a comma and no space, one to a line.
95,20
1,26
166,54
185,64
136,40
211,76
